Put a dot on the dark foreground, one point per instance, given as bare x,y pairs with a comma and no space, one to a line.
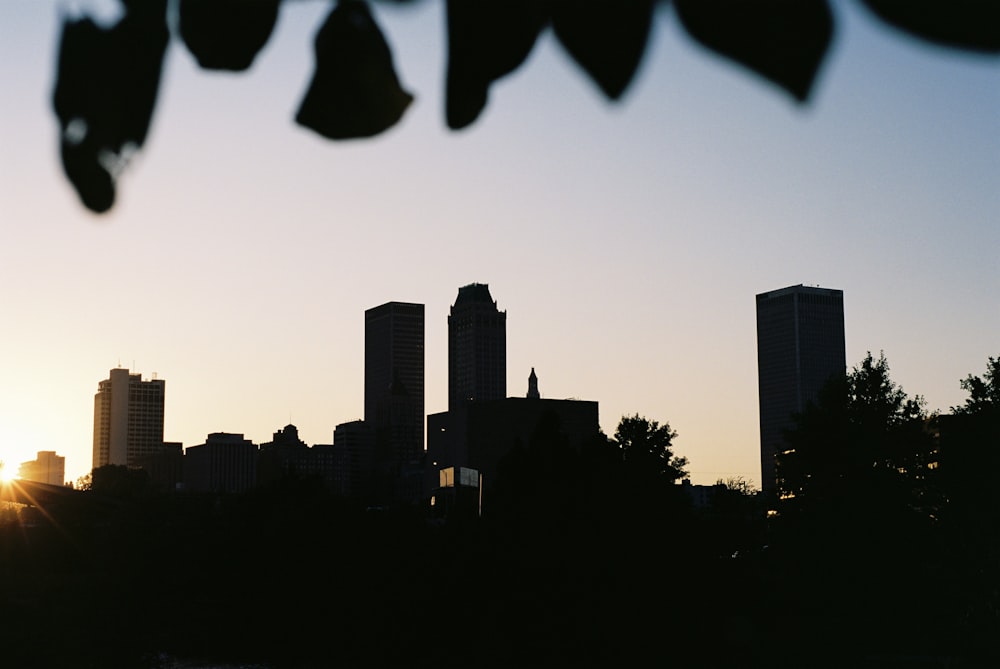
298,579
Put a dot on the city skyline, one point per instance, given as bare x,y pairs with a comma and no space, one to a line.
625,240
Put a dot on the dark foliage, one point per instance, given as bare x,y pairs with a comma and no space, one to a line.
105,92
107,80
984,391
354,91
967,24
863,446
782,40
226,34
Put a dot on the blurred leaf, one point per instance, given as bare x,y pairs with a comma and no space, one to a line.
606,37
969,24
226,34
105,93
354,91
782,40
487,39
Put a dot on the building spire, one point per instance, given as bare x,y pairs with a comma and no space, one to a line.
533,386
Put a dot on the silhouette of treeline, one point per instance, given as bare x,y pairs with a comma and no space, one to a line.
586,555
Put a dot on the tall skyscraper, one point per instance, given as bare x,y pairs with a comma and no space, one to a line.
800,347
477,347
394,369
128,419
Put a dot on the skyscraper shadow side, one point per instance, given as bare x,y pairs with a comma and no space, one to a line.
800,347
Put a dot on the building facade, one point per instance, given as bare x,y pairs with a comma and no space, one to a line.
479,435
225,463
477,347
46,468
354,453
128,419
800,347
394,369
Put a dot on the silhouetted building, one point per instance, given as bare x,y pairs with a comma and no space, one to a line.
224,463
533,386
354,455
701,496
47,467
128,419
394,366
477,347
479,434
165,467
457,494
968,458
287,457
800,347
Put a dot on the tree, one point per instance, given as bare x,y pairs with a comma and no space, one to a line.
108,79
984,391
862,443
646,447
738,485
84,482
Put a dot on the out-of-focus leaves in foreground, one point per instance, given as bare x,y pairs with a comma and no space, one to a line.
782,40
967,24
108,79
487,40
105,94
607,38
354,91
226,34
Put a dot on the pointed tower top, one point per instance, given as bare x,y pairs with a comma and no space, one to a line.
533,386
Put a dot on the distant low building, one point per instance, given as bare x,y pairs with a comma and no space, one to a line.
224,463
287,457
47,467
354,459
165,467
701,496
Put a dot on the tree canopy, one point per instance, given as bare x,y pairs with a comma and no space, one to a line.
984,391
862,444
647,448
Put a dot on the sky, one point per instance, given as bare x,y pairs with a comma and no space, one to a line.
625,240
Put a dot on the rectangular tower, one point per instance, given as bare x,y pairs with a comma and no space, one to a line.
128,419
477,347
800,347
394,368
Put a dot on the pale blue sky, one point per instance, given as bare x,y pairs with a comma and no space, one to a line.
625,241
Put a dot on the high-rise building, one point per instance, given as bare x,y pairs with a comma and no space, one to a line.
128,419
800,347
477,347
394,368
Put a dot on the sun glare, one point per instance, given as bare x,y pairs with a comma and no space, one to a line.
7,473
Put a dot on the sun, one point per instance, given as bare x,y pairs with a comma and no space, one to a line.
7,473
